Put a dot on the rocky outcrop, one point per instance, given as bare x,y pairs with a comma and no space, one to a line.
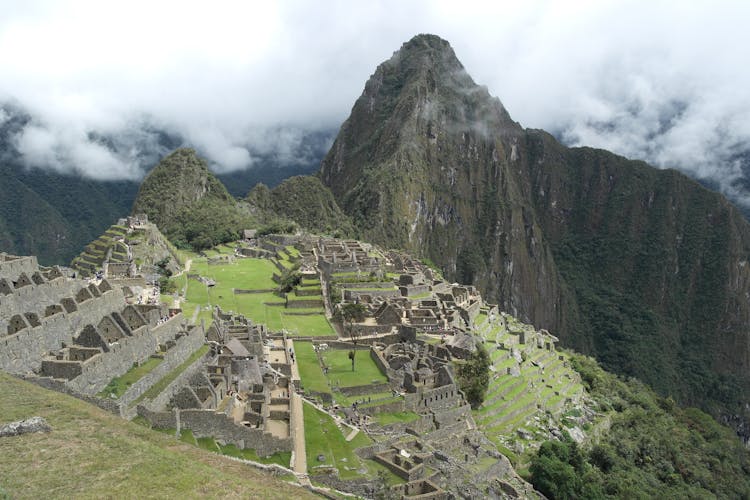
33,424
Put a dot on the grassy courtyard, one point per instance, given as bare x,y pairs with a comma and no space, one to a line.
323,437
340,368
264,306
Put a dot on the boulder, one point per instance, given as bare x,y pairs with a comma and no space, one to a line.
33,424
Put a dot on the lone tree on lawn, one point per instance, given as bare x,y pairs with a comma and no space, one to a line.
352,312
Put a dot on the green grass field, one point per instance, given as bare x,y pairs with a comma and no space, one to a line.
93,454
340,368
249,274
323,437
309,370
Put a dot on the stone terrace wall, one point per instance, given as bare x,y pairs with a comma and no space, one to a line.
186,345
99,370
22,352
160,402
208,423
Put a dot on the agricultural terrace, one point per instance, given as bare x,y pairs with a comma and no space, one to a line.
260,302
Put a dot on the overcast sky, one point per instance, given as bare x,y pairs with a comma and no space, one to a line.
668,82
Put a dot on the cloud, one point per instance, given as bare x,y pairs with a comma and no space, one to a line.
245,82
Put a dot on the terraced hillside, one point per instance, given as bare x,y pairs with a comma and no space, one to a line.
530,387
111,244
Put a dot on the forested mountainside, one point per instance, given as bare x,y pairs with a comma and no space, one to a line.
643,268
54,214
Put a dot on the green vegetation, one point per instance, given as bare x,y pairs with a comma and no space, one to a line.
54,215
282,458
309,368
93,454
396,417
322,436
353,312
305,200
119,385
264,307
340,373
474,376
162,384
653,448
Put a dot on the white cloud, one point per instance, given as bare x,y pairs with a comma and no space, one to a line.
662,81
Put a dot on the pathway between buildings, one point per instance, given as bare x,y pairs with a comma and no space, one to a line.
300,455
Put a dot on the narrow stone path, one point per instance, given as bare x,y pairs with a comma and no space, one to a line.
352,434
300,456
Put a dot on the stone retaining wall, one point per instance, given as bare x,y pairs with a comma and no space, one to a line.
160,402
184,348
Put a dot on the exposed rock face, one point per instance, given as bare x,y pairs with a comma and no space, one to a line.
33,424
180,180
642,267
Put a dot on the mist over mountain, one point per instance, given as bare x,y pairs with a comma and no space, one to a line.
642,267
51,207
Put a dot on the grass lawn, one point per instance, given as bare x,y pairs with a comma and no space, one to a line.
396,417
249,274
309,370
323,437
307,326
156,389
340,368
93,454
119,385
362,399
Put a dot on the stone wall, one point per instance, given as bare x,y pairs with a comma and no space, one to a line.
208,423
17,265
22,352
353,294
185,346
99,370
160,402
304,303
434,399
359,390
394,406
167,330
159,419
447,417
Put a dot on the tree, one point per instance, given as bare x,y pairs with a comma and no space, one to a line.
474,376
290,278
351,312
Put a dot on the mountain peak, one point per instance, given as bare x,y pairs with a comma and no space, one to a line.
180,179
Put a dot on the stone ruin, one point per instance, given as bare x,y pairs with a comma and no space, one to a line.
242,393
79,333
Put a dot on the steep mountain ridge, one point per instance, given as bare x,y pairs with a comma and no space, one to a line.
425,154
642,267
180,180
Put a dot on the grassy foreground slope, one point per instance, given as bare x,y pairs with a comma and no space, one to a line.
92,454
